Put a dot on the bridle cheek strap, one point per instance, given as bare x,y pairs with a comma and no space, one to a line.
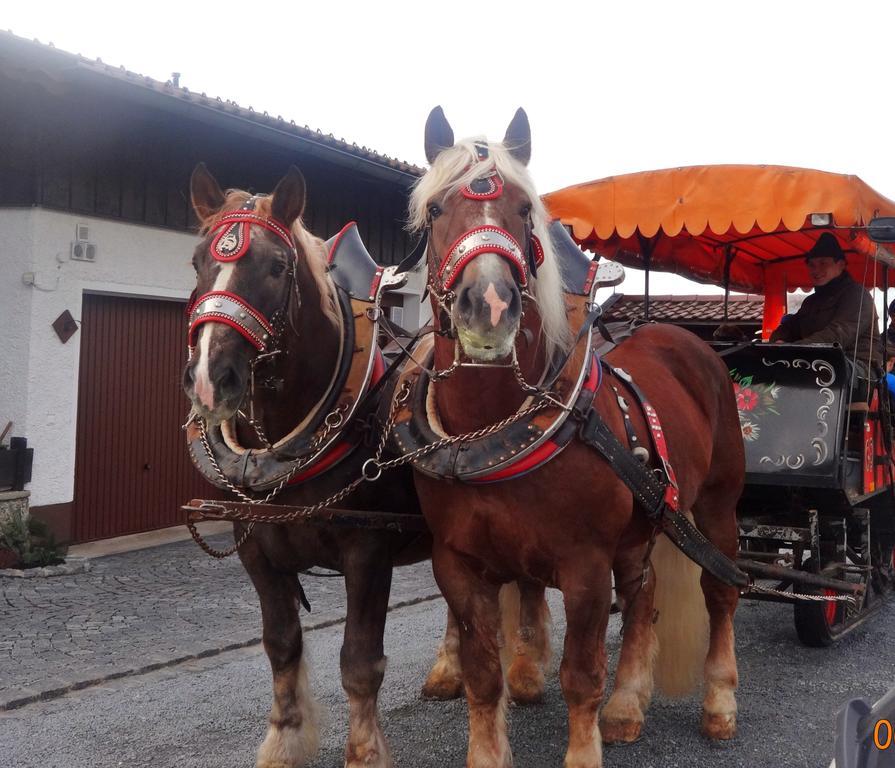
230,309
476,241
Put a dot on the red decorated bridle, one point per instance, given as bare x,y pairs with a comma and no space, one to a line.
231,243
486,238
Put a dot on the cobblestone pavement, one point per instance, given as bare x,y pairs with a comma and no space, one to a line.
144,610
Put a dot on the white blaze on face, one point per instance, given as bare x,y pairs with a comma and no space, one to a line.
497,304
203,386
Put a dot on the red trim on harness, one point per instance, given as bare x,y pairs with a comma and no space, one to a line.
652,420
237,229
591,275
378,368
336,239
543,453
486,247
207,317
238,223
540,455
594,376
374,285
538,249
239,300
495,191
250,337
330,458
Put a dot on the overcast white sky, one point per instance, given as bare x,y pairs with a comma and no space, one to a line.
609,87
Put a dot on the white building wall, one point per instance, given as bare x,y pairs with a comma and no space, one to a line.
130,260
16,249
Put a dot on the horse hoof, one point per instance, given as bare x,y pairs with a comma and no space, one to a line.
525,681
719,727
371,759
442,688
620,731
372,753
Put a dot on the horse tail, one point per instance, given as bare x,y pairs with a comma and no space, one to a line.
682,623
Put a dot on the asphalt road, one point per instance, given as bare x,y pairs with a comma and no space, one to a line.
212,712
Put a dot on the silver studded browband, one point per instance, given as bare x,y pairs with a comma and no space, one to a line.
226,308
484,239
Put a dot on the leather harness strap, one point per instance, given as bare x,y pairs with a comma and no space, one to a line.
659,499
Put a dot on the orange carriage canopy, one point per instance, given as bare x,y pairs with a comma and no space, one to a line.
692,221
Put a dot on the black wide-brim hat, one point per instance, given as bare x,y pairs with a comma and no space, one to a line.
826,246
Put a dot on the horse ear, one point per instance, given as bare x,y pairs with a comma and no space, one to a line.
518,137
288,199
205,193
439,135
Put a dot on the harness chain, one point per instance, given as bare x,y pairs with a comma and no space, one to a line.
366,475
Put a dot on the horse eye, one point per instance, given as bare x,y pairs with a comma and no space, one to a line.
525,210
434,210
277,268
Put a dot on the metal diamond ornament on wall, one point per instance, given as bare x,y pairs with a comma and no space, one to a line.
65,326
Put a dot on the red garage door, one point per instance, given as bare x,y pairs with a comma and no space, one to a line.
132,470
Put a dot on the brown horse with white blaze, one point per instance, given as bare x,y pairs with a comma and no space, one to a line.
271,335
569,522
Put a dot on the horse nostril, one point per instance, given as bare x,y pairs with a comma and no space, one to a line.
227,382
188,377
515,307
464,302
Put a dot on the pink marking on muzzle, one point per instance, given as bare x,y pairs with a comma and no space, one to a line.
497,304
205,392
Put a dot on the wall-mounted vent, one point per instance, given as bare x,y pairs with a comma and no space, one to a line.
81,250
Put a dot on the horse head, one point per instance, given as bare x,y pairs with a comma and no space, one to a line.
486,229
246,286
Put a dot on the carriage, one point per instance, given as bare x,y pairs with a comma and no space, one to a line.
817,518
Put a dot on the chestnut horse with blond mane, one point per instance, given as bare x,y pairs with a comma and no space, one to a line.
270,331
568,522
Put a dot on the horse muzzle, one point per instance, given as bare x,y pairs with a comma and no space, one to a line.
487,309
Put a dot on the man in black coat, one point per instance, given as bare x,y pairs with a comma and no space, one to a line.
839,311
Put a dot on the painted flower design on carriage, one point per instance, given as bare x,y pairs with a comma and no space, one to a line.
755,401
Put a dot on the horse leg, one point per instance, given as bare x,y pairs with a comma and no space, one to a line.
292,739
621,720
445,680
526,627
475,604
586,589
715,514
368,579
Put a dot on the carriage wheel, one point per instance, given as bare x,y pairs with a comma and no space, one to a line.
816,622
819,624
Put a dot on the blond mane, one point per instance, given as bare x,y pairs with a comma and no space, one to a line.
456,167
312,246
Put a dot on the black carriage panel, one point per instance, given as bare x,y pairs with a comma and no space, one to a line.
791,400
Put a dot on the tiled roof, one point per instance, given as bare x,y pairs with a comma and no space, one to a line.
686,309
14,43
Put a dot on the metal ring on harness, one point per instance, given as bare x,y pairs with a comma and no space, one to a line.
370,477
